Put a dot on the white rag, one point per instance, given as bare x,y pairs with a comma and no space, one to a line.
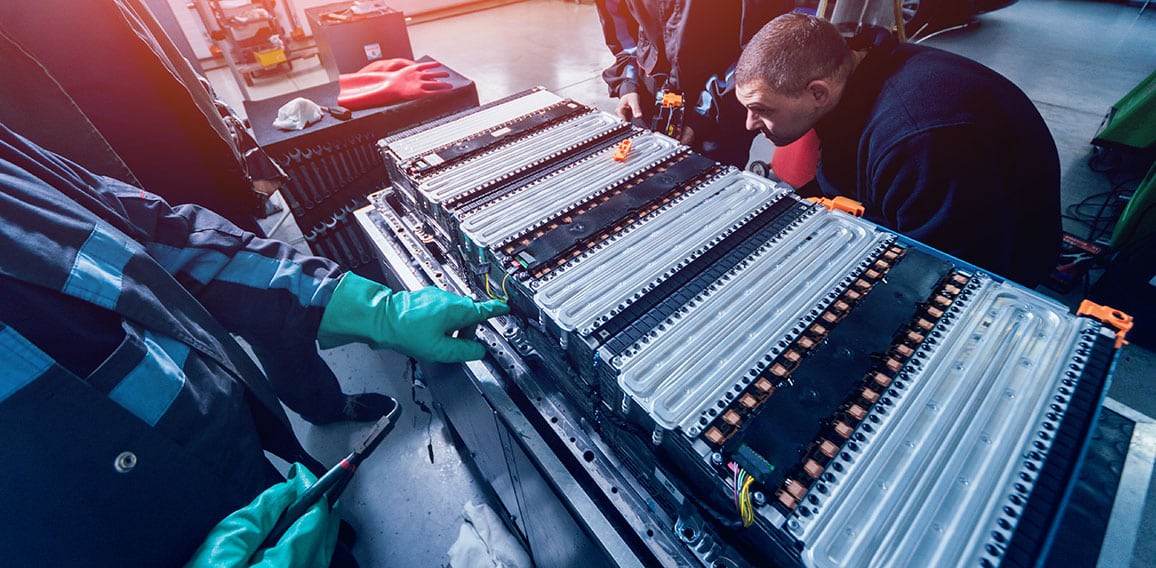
297,114
484,542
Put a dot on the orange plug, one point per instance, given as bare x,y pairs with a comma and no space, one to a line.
623,150
844,204
1109,316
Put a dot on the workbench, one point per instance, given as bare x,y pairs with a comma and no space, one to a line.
333,164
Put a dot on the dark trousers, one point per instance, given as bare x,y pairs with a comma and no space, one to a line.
302,380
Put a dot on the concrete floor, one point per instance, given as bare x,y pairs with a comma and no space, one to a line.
1074,58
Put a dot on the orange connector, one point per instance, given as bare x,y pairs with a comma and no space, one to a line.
672,99
623,150
1110,316
844,204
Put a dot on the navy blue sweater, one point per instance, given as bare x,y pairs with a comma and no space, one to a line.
950,153
115,348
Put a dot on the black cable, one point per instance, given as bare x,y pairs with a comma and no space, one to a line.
1095,231
1098,156
1104,218
643,436
1076,219
1075,208
1109,205
411,369
1076,213
1109,162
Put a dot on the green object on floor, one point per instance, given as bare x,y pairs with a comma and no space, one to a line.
1132,120
1139,217
417,324
308,542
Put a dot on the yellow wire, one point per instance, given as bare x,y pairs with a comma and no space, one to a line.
506,294
745,507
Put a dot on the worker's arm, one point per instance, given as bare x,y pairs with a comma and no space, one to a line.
258,288
266,290
620,31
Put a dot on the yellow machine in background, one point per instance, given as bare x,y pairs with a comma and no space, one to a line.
250,35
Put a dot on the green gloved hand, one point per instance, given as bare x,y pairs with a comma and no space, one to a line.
417,324
309,542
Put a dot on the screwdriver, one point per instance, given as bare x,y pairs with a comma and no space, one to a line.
335,480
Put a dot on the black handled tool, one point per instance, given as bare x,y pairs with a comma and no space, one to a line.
338,112
335,480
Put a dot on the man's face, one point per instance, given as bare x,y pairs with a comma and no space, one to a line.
782,119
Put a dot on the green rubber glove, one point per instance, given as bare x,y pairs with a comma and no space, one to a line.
309,542
417,324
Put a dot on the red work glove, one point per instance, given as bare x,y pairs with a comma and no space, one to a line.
386,66
377,88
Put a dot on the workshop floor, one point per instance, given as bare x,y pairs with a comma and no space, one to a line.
1074,58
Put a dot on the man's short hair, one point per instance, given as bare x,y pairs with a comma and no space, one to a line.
791,51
